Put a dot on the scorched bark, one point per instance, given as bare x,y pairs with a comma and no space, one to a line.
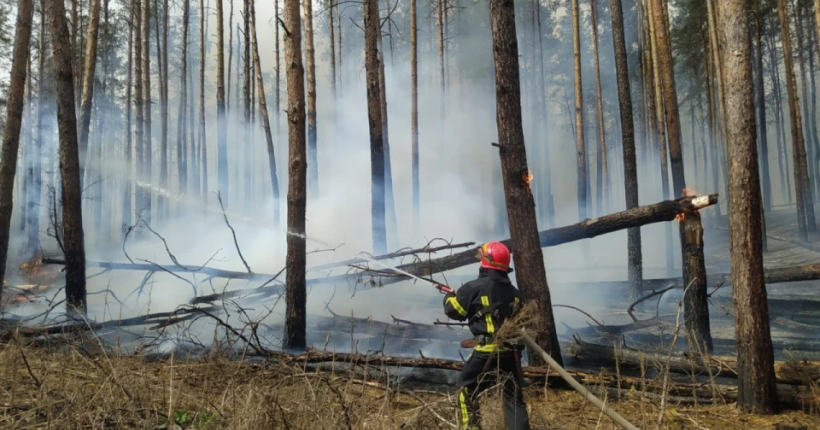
527,254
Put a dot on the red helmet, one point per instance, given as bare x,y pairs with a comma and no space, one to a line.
494,255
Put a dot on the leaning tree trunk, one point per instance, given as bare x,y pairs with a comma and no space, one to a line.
634,257
795,122
414,116
295,319
88,82
263,107
312,131
221,120
757,391
580,143
602,178
527,253
14,121
374,116
72,221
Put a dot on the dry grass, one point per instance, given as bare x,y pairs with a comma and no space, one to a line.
73,390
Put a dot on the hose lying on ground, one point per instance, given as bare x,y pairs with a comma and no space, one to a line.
577,385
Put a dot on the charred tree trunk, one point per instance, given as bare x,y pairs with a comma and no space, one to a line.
374,115
14,121
695,300
527,254
312,131
72,222
795,122
263,107
602,177
221,120
755,365
580,141
761,111
88,82
634,257
414,116
230,59
332,50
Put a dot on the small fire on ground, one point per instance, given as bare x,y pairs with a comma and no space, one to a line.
687,192
36,279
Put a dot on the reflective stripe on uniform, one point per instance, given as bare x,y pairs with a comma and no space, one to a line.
490,347
457,306
488,318
462,403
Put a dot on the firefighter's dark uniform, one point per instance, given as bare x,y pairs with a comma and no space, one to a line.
485,303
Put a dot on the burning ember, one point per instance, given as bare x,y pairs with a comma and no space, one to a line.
527,177
687,192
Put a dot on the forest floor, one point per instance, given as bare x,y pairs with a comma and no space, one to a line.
74,390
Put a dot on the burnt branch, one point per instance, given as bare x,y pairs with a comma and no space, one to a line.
233,232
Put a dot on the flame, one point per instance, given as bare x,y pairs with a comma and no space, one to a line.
527,177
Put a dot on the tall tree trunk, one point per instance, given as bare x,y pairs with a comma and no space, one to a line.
182,123
633,244
201,171
162,203
221,120
230,59
263,107
390,206
527,253
657,80
795,122
14,121
139,113
276,84
295,320
761,110
756,377
332,51
812,43
246,87
312,131
339,27
414,117
36,172
374,116
88,81
580,142
667,70
548,200
785,181
602,177
72,221
442,82
146,170
807,128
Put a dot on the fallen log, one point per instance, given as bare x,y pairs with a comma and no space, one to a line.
790,395
787,372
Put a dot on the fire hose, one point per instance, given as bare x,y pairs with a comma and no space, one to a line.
577,385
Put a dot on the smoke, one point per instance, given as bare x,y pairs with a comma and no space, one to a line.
461,194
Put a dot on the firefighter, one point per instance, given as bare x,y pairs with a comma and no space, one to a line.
485,303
